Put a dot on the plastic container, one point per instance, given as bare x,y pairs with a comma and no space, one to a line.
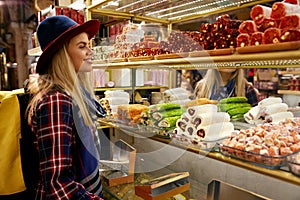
271,162
294,163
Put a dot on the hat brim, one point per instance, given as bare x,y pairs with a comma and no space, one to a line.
90,27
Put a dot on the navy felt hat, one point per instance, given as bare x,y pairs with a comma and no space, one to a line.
53,32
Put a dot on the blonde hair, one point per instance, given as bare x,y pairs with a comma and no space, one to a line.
213,78
61,73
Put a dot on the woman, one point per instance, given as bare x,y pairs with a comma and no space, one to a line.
62,111
225,82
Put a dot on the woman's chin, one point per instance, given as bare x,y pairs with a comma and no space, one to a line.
86,67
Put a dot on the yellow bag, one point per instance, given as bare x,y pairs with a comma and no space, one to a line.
11,174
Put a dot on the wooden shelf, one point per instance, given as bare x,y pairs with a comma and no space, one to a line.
289,72
278,59
288,92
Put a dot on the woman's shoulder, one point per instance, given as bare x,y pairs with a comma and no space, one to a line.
55,96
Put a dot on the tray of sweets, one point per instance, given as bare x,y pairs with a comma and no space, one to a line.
140,58
271,162
171,56
269,47
215,52
208,145
117,60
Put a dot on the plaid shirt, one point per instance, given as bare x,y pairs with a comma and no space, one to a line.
60,152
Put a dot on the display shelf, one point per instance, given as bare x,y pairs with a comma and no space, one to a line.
281,174
130,88
166,12
278,59
293,92
289,72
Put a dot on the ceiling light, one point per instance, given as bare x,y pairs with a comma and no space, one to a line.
129,5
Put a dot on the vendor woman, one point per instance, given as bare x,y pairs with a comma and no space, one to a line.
221,83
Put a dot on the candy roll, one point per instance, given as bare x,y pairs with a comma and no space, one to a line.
190,130
215,131
186,117
258,13
277,117
269,101
296,2
168,122
168,113
207,108
290,22
243,40
205,119
267,23
181,124
248,27
274,108
290,35
178,132
272,36
281,9
163,107
252,114
256,39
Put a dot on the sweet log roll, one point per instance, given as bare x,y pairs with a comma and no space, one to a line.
215,131
268,23
248,27
290,35
181,124
280,116
296,2
273,108
272,36
258,13
281,9
205,119
196,110
269,101
290,22
257,38
243,40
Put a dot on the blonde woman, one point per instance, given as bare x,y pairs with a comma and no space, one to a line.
225,82
62,112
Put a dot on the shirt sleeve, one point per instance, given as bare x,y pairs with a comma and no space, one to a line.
55,122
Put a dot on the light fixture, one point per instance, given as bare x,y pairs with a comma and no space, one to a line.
174,7
206,10
147,6
129,5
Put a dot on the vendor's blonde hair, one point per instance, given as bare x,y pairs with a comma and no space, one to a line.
61,73
213,78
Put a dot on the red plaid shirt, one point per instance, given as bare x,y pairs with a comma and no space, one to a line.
58,146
